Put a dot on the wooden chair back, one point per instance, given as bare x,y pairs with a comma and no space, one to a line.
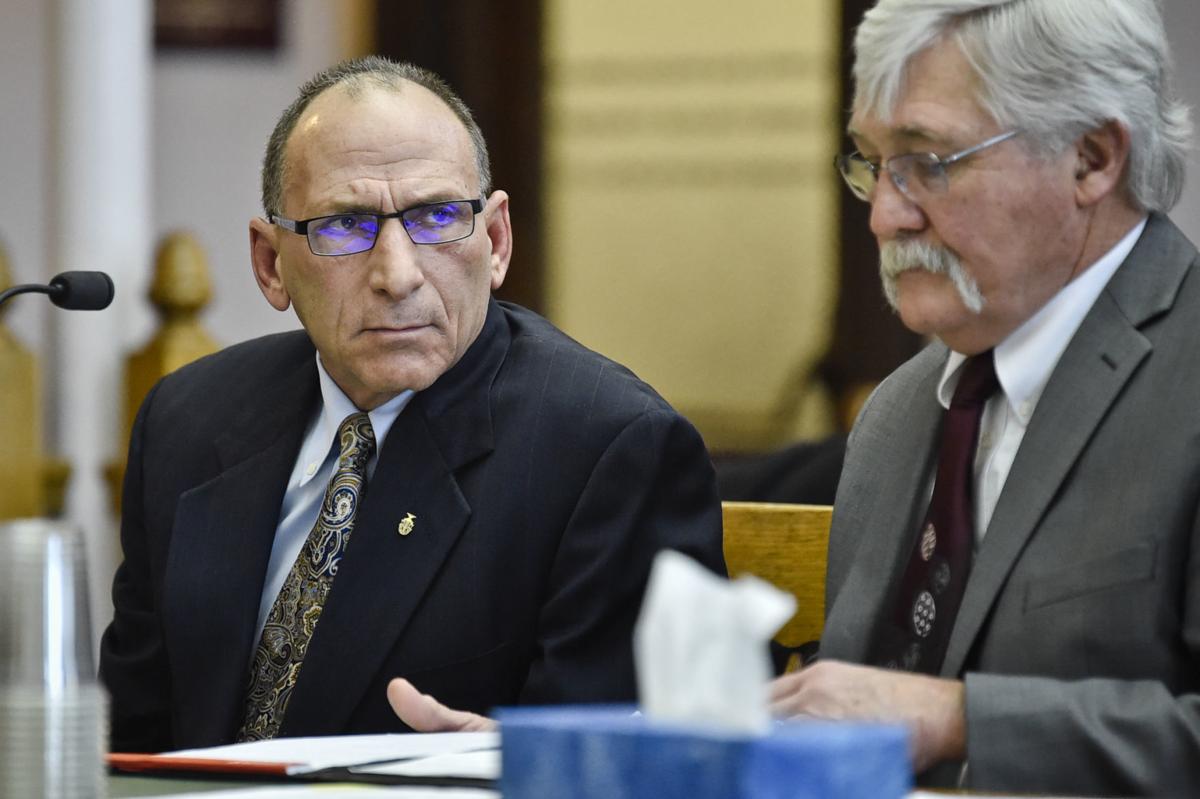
786,545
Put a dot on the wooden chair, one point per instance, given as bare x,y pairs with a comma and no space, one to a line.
786,545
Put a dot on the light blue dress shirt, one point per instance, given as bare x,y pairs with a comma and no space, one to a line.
311,474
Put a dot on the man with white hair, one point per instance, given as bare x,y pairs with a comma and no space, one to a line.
1014,564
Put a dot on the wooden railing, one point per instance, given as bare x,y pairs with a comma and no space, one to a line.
31,482
181,288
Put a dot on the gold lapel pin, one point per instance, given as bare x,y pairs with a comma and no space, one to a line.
406,524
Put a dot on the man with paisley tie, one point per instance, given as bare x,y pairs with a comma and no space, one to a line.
424,484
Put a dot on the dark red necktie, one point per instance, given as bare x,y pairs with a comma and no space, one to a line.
914,638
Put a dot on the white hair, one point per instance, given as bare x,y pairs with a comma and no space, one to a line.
1054,69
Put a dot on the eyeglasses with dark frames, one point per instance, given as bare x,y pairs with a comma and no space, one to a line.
350,233
915,175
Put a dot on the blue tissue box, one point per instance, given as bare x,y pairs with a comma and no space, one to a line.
608,753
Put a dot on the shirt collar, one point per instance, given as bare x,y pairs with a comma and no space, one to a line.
336,406
1027,357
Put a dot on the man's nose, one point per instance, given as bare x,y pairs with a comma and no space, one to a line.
893,213
395,267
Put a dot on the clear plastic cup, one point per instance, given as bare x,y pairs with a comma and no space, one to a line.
53,711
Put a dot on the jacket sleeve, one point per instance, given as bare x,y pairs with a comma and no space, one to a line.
653,488
133,663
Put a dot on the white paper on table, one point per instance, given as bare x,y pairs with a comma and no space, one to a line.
481,764
313,754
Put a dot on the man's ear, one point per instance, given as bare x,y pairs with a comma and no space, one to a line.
1101,156
264,260
499,231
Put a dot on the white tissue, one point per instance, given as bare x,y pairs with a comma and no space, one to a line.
700,645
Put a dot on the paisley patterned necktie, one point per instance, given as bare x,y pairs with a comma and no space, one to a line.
294,615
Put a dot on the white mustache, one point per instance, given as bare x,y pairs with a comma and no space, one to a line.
897,257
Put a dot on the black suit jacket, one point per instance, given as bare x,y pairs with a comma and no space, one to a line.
542,478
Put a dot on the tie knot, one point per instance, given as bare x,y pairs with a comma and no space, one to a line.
977,382
356,438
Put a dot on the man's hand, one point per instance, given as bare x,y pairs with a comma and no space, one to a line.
425,714
933,708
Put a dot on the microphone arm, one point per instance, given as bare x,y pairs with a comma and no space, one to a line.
24,289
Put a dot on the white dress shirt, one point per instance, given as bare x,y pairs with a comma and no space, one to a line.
311,474
1024,362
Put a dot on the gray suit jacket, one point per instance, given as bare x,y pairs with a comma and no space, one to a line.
1079,634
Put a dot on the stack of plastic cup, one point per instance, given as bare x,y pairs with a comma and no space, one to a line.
53,712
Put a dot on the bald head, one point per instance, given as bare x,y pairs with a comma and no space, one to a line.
353,78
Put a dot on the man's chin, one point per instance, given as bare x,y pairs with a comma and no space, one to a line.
917,292
914,280
415,372
382,378
934,316
395,381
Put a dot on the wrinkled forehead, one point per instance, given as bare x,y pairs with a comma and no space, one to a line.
343,114
377,124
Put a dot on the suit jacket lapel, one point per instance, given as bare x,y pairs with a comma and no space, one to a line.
384,574
220,545
1101,358
381,578
883,505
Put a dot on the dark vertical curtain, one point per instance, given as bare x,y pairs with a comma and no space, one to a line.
490,53
868,341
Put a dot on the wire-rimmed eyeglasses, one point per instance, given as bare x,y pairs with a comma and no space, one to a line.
350,233
915,175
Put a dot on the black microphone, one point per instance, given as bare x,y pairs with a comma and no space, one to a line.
82,291
75,291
